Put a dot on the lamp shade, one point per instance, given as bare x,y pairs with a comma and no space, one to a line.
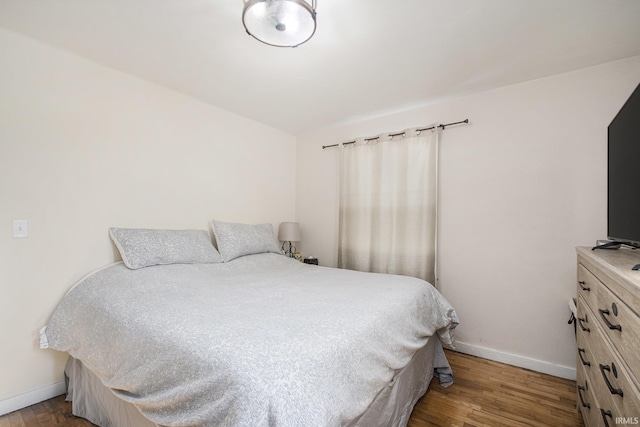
282,23
289,232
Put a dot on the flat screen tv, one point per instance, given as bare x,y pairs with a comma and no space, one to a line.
623,181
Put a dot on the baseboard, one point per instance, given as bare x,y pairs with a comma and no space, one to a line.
31,398
519,361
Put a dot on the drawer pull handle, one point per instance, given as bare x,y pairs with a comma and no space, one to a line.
584,404
606,321
582,284
584,328
584,362
606,414
606,380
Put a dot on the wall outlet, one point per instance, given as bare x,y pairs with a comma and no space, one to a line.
20,229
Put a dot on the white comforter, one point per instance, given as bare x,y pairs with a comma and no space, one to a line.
260,341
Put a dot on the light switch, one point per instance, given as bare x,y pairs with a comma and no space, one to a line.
20,229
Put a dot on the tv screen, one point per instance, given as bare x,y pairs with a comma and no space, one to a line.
623,207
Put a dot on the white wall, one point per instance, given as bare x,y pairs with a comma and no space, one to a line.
84,147
521,186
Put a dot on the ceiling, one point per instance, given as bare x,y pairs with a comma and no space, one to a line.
367,56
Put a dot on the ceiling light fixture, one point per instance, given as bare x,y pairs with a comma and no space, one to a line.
281,23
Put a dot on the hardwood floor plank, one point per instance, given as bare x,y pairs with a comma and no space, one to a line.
485,394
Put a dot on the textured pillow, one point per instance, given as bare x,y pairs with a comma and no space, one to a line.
142,248
236,240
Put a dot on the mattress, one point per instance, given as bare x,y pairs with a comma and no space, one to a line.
262,340
392,407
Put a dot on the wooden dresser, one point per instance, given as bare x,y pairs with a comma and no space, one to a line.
608,337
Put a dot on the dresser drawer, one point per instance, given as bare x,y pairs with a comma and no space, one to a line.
586,401
596,403
585,322
588,285
586,338
621,326
606,413
613,385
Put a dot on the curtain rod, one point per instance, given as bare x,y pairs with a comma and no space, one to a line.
400,133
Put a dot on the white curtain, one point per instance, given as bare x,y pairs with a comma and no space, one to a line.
388,197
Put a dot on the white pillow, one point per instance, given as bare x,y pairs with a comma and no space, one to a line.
143,247
236,240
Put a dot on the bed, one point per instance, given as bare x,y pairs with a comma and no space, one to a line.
255,339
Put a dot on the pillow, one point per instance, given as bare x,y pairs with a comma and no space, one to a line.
236,240
142,248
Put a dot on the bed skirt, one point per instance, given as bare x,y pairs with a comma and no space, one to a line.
391,407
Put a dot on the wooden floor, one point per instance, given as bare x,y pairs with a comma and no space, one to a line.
485,393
